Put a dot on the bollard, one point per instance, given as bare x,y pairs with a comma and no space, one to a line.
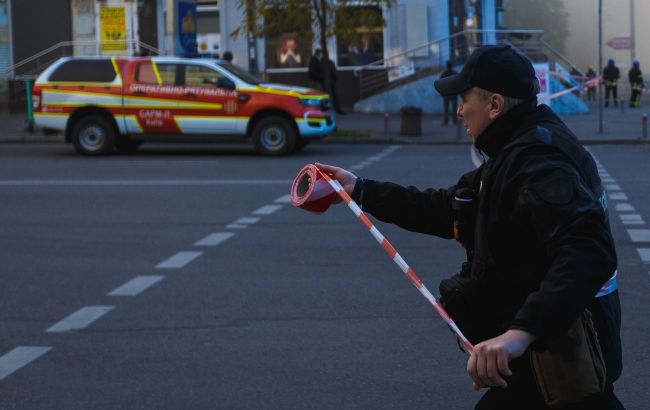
622,105
644,126
386,119
30,111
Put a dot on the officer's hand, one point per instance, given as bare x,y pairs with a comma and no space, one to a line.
488,364
346,178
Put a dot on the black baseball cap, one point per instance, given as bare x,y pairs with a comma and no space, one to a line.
498,69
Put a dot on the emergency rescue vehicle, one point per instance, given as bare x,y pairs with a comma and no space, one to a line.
103,103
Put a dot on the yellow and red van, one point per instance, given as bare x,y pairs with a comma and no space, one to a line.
104,103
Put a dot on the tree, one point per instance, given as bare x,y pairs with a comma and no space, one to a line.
344,19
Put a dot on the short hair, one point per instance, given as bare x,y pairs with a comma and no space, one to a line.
508,102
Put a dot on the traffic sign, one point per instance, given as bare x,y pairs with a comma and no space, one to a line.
620,43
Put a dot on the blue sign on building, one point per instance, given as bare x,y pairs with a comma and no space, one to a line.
185,37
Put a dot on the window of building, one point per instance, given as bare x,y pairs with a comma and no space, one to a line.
464,15
290,49
95,71
366,44
201,76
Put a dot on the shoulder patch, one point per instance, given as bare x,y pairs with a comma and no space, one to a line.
555,189
544,134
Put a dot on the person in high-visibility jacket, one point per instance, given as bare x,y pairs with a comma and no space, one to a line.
611,74
636,84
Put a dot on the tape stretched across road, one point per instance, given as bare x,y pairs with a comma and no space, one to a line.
315,191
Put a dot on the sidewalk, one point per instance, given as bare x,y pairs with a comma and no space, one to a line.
619,128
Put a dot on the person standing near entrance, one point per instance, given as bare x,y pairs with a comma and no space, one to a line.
611,74
636,84
315,73
591,90
448,100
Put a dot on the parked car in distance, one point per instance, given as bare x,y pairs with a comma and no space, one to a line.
104,103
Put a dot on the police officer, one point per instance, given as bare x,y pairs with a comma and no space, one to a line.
636,84
611,74
541,252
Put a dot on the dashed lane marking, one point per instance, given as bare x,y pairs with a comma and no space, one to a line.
236,226
179,260
80,319
136,285
613,187
248,220
20,357
618,196
214,239
605,180
644,253
624,207
284,199
267,209
639,235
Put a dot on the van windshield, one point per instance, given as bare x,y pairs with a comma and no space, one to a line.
241,73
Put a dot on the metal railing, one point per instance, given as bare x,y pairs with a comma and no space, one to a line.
430,58
46,57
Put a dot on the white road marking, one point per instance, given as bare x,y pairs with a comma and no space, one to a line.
80,319
644,253
214,239
236,226
625,207
267,209
141,182
356,167
284,199
630,217
639,235
604,175
136,285
612,187
19,357
179,260
618,196
604,180
633,222
248,220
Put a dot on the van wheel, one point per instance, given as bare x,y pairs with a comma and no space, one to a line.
94,135
274,136
127,145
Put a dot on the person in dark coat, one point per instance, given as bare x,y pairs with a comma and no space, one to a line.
315,73
636,84
591,90
450,100
611,74
533,219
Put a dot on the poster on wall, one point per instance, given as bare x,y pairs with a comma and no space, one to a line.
186,43
112,27
543,75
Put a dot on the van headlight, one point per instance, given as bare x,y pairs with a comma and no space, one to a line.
311,102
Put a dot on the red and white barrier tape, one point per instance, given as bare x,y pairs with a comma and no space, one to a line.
591,83
315,191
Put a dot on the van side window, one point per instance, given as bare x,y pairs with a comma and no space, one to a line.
145,73
85,71
201,76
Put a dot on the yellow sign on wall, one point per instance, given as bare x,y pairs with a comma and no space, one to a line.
112,26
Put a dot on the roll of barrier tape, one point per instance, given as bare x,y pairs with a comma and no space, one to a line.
315,191
311,190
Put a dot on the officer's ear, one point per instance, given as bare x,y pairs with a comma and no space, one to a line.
497,105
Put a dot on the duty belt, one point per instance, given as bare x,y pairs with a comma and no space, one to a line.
610,286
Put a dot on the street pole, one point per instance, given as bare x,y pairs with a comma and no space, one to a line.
632,45
600,65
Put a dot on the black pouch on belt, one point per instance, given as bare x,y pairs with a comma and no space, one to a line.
571,368
462,297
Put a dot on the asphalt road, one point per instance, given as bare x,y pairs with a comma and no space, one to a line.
179,277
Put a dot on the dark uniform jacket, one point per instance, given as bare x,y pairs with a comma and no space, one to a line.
635,76
543,246
611,73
